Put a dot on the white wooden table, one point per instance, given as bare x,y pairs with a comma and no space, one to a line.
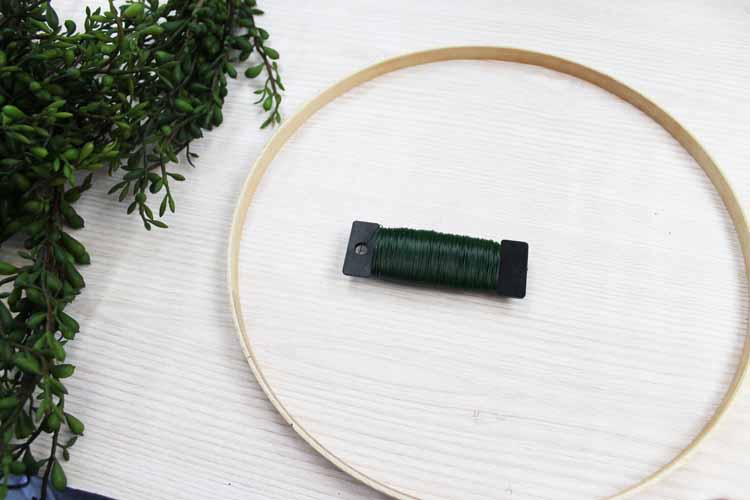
171,408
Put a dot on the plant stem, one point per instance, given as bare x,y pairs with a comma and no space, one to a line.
50,464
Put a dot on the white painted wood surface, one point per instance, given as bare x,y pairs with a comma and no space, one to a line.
600,375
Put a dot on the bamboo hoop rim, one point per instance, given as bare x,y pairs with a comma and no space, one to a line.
505,54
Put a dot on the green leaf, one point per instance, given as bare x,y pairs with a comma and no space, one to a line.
57,349
73,276
172,26
254,71
53,282
243,44
25,426
59,481
53,421
153,30
86,150
36,296
125,191
27,363
72,245
72,218
71,154
52,18
19,138
6,319
39,152
7,269
134,11
68,321
70,26
163,56
271,52
57,387
156,186
36,319
267,103
66,332
183,105
266,123
62,371
13,112
84,259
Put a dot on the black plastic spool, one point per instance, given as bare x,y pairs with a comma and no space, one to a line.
511,279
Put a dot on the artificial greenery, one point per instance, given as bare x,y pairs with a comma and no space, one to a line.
125,93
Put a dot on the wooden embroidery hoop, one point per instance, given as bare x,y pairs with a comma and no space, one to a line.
691,145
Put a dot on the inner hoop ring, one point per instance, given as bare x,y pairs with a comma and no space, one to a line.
601,80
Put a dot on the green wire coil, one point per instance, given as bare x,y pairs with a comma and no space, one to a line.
435,258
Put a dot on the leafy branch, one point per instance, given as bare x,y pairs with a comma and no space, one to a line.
126,94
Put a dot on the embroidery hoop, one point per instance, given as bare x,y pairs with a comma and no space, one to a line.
505,54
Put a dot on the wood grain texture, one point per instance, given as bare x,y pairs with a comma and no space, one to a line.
171,408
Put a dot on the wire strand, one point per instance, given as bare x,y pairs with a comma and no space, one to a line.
436,258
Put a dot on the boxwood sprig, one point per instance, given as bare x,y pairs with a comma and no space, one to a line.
126,94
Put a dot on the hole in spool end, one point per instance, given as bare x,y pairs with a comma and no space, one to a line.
361,249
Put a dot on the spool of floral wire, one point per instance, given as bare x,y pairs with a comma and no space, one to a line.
430,257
